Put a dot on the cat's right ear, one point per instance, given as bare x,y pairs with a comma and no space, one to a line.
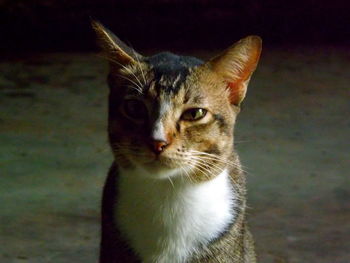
118,54
236,65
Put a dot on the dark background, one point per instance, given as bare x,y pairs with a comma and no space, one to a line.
50,25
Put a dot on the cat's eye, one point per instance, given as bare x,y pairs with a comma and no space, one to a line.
194,114
135,109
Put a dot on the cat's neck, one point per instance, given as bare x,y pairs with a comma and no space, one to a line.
165,220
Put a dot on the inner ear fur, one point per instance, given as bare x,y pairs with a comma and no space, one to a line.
115,50
236,65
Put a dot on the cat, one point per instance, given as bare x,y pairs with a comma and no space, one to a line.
175,192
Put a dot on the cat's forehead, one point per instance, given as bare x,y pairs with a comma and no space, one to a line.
166,62
170,71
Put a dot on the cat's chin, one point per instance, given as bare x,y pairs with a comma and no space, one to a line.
161,172
157,165
157,162
160,168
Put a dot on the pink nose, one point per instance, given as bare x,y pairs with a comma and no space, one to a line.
158,146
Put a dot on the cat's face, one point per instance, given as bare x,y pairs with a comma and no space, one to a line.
171,114
174,120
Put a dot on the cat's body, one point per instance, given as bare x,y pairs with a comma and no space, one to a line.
233,244
176,191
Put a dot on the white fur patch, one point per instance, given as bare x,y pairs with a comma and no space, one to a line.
165,222
158,132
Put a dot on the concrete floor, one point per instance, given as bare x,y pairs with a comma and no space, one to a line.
293,137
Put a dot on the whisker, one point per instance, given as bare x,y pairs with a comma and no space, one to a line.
138,89
124,67
198,164
204,161
211,166
210,158
139,64
219,159
208,164
207,173
220,170
171,182
186,173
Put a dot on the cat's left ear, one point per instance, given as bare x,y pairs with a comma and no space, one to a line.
236,65
118,53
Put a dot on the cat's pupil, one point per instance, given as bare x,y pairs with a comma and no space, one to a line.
135,109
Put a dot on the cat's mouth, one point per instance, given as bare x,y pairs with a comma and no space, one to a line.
157,162
162,161
159,166
151,161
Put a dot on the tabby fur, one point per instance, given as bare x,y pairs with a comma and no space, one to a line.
159,141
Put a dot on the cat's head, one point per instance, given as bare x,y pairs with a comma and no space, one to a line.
171,114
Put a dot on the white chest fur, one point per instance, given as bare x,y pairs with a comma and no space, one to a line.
166,222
